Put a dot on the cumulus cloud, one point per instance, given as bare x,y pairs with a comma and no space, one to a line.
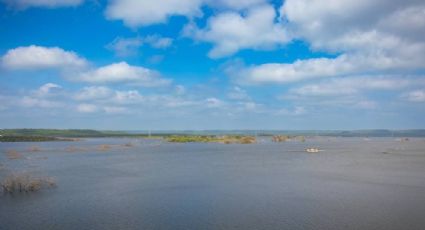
297,71
102,94
94,92
76,68
47,89
353,85
136,13
157,41
125,46
235,4
87,108
23,4
323,22
38,57
237,93
232,31
123,73
213,102
47,96
127,97
129,46
28,101
373,36
344,64
100,98
357,92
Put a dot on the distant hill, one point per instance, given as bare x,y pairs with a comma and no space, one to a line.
97,133
59,132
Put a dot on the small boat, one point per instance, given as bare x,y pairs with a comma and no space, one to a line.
312,150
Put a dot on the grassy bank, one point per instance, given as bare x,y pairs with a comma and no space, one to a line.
31,139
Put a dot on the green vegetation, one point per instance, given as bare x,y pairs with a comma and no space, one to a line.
31,139
215,139
185,139
38,135
55,132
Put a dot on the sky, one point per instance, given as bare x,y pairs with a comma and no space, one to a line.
212,64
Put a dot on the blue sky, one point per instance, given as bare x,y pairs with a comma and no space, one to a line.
204,64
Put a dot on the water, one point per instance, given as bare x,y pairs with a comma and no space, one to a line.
352,184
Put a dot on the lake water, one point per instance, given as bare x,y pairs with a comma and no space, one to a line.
354,183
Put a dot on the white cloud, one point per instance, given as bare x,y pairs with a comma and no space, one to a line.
368,36
46,96
231,32
297,71
106,95
38,57
87,108
94,92
124,73
357,92
28,101
237,93
353,85
345,64
126,101
46,89
250,106
157,41
296,111
416,96
125,46
129,46
213,102
235,4
173,102
323,21
75,68
127,97
136,13
23,4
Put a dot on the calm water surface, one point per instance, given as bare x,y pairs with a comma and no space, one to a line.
352,184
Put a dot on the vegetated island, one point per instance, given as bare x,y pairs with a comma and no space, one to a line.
226,139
